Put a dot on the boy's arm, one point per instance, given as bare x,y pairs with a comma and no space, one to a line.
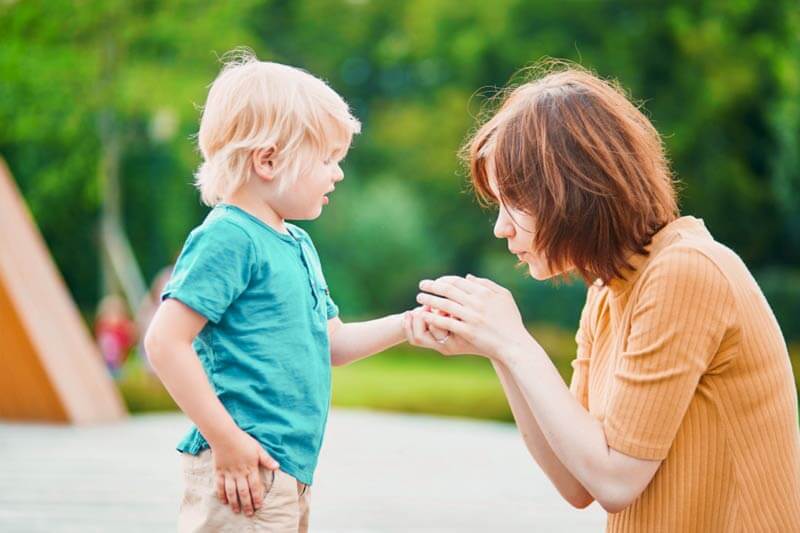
168,343
357,340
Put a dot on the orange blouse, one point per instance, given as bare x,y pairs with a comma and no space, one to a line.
684,362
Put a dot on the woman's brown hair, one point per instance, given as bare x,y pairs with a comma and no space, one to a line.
572,151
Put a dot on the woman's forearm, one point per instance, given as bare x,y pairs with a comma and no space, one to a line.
568,486
575,437
357,340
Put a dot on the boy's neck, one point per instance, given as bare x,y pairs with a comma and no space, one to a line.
259,209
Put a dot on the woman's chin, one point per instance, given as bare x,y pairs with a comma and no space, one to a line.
539,272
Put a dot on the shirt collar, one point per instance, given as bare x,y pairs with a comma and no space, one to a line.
662,238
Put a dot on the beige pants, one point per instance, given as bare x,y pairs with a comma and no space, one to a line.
284,510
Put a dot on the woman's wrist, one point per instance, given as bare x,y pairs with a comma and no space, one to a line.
512,352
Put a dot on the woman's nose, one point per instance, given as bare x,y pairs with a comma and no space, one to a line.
503,229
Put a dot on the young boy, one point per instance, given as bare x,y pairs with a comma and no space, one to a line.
247,331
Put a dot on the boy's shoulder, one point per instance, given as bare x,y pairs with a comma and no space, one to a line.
220,224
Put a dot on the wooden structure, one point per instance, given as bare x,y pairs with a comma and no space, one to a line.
50,368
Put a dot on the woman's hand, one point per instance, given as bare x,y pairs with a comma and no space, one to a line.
484,319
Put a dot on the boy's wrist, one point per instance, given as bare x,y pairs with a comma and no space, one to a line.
399,330
220,433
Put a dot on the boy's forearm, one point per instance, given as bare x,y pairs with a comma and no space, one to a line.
183,376
357,340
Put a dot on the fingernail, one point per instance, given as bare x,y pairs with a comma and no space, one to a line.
424,282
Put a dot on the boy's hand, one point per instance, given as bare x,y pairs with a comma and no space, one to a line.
237,459
420,333
441,335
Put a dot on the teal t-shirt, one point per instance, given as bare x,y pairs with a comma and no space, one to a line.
265,347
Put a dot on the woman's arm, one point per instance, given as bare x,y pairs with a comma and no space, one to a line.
357,340
577,439
569,487
484,320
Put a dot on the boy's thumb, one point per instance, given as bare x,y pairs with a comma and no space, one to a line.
266,461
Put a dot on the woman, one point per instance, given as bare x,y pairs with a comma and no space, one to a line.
682,411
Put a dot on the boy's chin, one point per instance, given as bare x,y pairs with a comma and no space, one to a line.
315,213
312,214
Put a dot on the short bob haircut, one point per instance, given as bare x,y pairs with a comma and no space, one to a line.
572,151
255,104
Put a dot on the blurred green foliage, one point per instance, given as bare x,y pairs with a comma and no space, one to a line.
720,80
404,379
401,379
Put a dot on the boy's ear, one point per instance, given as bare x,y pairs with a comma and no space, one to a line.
264,163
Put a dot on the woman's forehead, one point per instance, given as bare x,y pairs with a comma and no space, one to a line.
491,180
489,171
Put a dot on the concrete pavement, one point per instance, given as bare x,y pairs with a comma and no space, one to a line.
379,472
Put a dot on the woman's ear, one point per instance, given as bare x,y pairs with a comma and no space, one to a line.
264,163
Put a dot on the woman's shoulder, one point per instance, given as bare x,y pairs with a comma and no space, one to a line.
692,268
693,256
687,247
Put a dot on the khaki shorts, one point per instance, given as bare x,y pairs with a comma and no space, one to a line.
284,510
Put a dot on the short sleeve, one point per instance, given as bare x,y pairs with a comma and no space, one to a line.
684,309
579,385
213,269
330,305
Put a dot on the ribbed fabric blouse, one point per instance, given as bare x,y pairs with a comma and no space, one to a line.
684,362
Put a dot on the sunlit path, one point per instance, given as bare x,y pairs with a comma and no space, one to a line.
379,472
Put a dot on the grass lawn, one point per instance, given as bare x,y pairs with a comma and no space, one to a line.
403,379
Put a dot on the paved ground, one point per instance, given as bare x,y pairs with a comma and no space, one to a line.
379,472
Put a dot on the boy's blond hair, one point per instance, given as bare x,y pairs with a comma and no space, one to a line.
256,104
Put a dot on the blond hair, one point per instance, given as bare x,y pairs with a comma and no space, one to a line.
255,105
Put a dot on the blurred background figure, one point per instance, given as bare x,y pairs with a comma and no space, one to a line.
115,331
